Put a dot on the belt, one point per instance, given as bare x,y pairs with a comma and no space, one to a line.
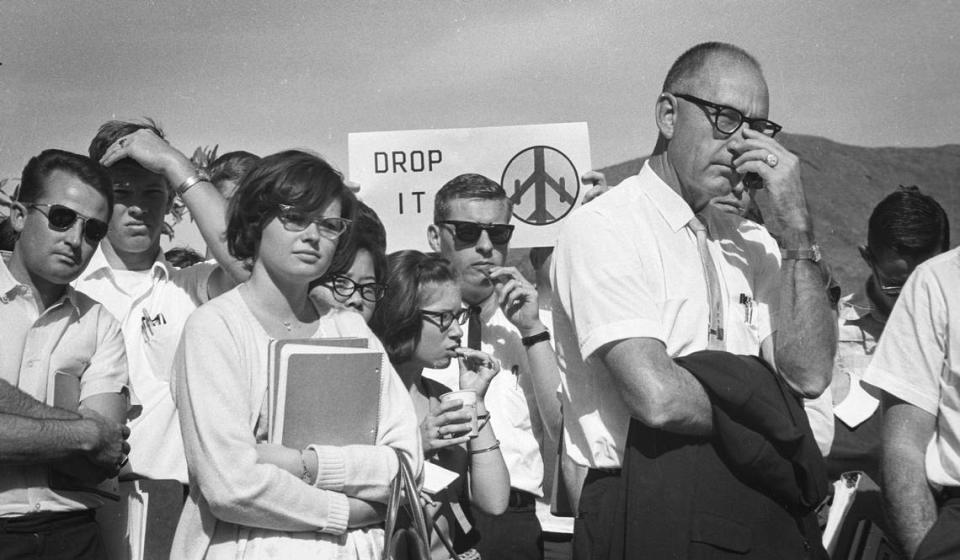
519,498
45,521
594,474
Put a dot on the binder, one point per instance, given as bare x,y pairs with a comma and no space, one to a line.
324,392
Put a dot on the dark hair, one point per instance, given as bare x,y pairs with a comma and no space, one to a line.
367,233
39,168
232,166
8,235
183,257
689,64
293,177
911,223
111,131
397,320
468,185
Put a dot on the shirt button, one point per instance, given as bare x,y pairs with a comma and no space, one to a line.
37,507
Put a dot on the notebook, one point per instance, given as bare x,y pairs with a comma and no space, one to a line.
324,392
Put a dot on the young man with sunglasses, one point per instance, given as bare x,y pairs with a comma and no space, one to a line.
905,229
472,230
150,298
650,271
59,347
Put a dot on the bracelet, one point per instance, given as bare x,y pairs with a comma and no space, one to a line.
529,341
485,449
188,183
482,420
305,473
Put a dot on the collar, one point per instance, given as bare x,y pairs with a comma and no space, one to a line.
99,267
671,206
488,307
857,306
10,288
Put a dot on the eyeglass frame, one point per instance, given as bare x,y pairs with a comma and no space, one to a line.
84,219
889,290
715,117
489,228
331,282
286,222
436,317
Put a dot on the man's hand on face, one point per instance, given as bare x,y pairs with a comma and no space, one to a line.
152,153
518,299
109,445
779,169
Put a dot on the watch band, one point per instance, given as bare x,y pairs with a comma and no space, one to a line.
811,254
529,341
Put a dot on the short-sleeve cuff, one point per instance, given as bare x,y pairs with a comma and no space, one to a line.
903,391
331,467
338,514
621,330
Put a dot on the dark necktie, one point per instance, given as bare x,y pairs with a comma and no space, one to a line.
473,327
715,323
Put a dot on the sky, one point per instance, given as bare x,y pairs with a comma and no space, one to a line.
264,75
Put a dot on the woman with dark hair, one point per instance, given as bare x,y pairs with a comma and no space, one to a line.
418,322
249,499
357,281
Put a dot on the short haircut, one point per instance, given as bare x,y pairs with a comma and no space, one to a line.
367,233
689,64
910,223
468,185
397,320
232,166
293,177
182,257
111,131
40,167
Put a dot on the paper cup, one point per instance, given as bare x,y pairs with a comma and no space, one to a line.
469,400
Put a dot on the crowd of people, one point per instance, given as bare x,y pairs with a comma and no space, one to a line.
680,379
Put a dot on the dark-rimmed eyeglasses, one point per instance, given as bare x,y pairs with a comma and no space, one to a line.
345,287
295,220
444,320
62,218
887,288
469,232
728,120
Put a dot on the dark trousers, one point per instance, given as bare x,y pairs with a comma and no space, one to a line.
557,546
515,535
943,540
595,516
51,536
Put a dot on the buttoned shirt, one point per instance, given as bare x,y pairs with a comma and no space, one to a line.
918,358
627,266
152,315
509,398
75,336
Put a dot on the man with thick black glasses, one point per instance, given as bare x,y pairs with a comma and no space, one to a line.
59,347
472,230
650,271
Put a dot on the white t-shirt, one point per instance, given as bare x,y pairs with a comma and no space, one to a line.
627,266
917,358
151,312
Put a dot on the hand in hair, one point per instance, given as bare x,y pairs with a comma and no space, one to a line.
153,153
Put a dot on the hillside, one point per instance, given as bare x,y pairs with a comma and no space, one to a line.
843,183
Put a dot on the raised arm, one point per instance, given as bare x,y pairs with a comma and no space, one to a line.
805,342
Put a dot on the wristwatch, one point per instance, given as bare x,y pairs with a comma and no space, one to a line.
811,254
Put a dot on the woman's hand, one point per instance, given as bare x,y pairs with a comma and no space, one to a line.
446,425
476,370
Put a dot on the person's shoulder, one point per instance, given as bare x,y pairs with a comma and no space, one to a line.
944,267
87,307
224,307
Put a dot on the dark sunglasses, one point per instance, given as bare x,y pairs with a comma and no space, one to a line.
345,287
469,232
61,218
295,220
443,320
728,120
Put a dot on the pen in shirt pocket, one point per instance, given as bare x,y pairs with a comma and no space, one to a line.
747,303
146,326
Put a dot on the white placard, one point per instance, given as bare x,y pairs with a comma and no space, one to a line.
539,167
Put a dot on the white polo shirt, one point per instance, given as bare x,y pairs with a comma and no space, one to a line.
918,358
627,266
152,311
74,336
509,398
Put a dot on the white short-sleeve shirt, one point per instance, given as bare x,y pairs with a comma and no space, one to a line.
917,358
627,266
151,314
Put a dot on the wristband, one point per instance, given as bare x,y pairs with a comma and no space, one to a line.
529,341
482,420
188,183
485,449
